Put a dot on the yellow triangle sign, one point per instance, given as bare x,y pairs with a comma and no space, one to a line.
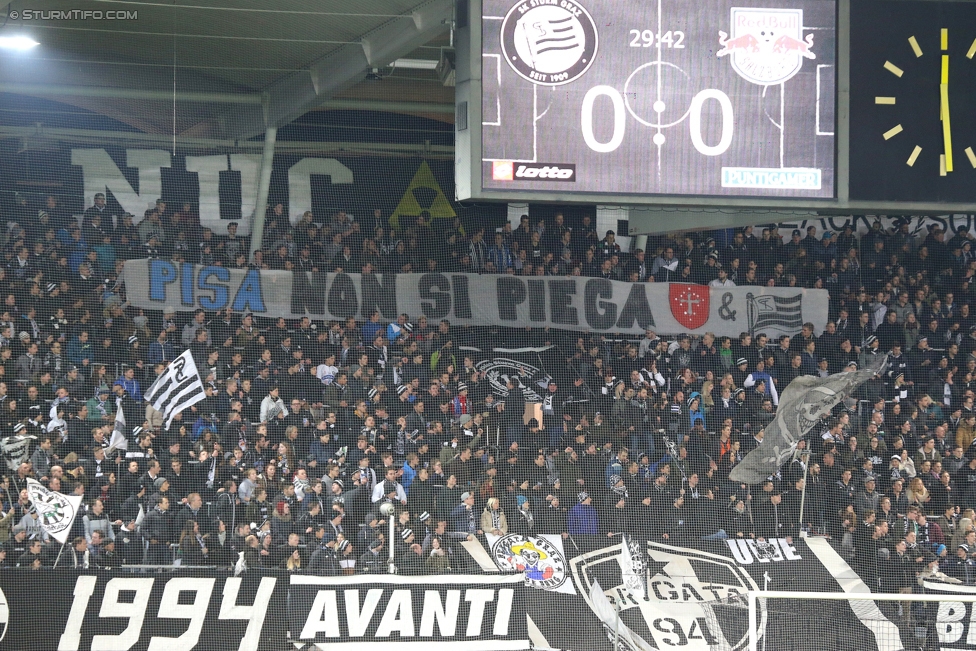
410,202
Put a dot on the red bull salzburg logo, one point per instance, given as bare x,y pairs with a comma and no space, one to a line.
766,46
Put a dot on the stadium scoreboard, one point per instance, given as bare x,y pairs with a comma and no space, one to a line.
723,103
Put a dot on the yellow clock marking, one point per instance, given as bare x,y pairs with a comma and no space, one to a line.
945,39
972,50
914,157
942,167
915,47
893,69
892,132
884,100
972,156
946,130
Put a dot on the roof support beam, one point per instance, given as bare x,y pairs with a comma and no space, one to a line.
299,92
55,91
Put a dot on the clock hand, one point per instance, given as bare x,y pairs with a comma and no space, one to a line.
944,110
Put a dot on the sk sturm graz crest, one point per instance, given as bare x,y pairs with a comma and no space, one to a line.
56,512
542,563
693,599
766,45
549,44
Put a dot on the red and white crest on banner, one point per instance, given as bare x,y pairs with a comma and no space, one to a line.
689,304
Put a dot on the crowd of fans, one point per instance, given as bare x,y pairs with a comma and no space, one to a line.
310,428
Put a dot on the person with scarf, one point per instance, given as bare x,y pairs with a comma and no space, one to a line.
493,519
100,408
524,522
193,547
461,404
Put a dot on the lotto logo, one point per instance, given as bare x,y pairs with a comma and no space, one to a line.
546,172
503,170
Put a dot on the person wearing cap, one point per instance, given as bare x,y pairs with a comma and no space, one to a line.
826,250
100,407
464,517
371,561
962,567
870,352
461,404
868,498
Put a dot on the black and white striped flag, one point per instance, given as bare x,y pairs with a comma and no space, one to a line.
119,441
177,388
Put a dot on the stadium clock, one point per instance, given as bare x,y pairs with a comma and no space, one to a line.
913,88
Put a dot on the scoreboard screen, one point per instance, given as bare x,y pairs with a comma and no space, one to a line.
718,98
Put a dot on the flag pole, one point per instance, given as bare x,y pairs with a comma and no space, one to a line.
59,556
803,495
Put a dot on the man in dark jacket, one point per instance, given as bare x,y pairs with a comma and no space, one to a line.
157,530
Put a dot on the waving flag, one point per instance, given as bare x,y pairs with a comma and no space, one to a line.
118,441
804,402
56,511
177,388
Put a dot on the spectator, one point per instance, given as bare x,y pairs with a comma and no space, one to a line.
493,519
464,517
583,518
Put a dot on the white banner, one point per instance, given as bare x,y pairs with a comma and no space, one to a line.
56,511
541,559
571,303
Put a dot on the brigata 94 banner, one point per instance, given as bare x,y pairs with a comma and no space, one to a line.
571,303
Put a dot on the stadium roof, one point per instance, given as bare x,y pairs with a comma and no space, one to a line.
235,68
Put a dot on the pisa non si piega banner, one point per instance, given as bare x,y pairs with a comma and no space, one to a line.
571,303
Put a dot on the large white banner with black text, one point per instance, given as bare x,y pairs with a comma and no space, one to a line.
572,303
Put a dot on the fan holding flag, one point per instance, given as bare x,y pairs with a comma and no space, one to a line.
177,388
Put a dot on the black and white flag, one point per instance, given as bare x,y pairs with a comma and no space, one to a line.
56,511
177,388
804,402
16,450
118,441
770,312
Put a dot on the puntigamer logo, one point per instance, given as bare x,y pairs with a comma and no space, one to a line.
549,42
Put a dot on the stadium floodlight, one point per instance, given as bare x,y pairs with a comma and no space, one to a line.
18,43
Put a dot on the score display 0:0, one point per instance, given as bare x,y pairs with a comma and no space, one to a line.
646,38
619,116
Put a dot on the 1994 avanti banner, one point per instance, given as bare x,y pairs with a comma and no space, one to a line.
572,303
518,593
